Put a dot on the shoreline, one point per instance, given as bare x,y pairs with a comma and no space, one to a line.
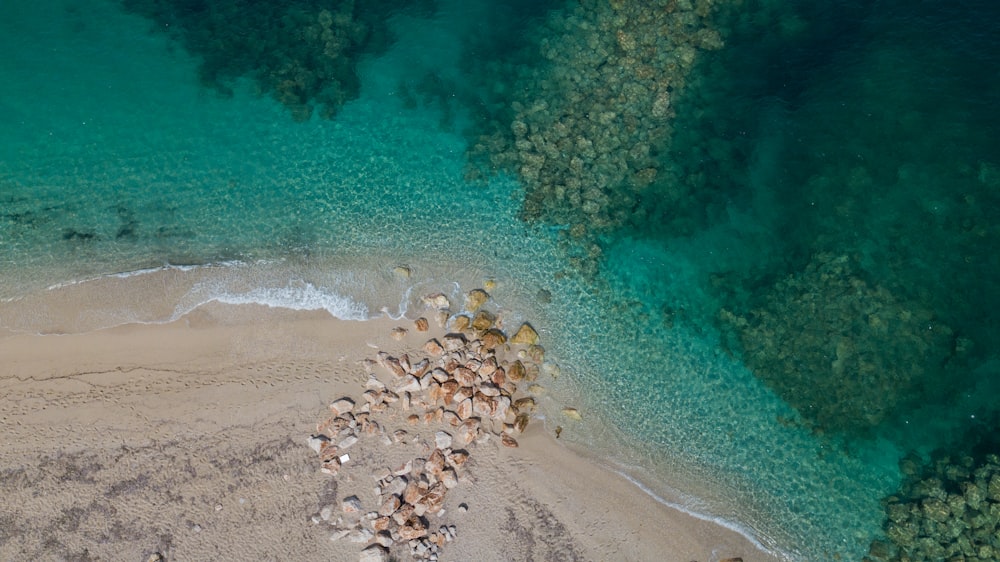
80,401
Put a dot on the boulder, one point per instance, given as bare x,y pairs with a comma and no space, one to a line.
374,553
449,478
515,371
318,442
414,528
421,324
351,504
525,335
464,409
493,338
475,299
453,341
398,333
442,439
342,406
389,506
483,321
433,348
508,441
436,300
572,413
465,376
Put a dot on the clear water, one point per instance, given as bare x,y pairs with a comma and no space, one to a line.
132,192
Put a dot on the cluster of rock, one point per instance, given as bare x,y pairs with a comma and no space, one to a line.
845,353
463,383
585,127
949,511
302,52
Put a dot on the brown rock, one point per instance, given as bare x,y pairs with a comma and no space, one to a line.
393,366
433,348
493,338
502,404
464,409
572,413
398,333
488,366
524,405
537,353
475,299
421,324
435,463
481,405
499,377
483,321
404,512
508,441
521,422
465,376
449,478
414,528
734,559
468,431
412,492
420,368
389,506
460,323
515,371
451,418
457,458
525,335
462,393
382,523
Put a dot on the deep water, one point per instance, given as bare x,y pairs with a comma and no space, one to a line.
801,300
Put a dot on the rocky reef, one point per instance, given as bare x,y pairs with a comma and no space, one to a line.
949,509
302,52
585,122
845,352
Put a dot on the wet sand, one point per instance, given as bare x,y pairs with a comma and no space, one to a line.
189,440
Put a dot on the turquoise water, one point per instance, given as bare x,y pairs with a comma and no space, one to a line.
824,217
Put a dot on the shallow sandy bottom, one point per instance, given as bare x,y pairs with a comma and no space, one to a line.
189,440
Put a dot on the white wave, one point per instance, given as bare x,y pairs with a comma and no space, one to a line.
303,297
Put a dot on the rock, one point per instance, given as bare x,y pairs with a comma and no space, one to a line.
394,366
436,300
508,441
463,508
441,317
515,371
501,407
536,389
525,335
402,271
342,406
537,353
464,409
451,418
351,504
525,405
481,405
449,478
398,333
453,341
404,469
489,389
374,384
499,377
337,535
435,462
483,321
389,506
412,492
469,430
403,513
433,348
347,442
572,413
521,422
414,528
397,486
421,324
382,523
374,553
360,535
457,458
734,559
409,384
383,538
493,338
475,299
488,367
465,377
442,439
318,442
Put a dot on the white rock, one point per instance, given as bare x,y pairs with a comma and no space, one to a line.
316,442
442,439
409,384
360,535
337,535
374,384
351,504
342,406
374,553
436,300
347,442
326,513
384,538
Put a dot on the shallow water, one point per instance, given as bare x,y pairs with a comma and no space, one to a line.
132,191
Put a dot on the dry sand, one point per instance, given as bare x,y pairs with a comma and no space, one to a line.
189,440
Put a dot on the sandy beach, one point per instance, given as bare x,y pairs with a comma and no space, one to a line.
188,441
